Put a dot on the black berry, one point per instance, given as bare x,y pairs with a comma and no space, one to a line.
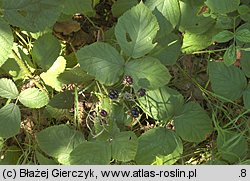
113,94
141,92
127,80
103,113
134,112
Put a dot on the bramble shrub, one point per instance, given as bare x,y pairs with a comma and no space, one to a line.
100,88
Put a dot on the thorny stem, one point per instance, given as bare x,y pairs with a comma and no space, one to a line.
26,70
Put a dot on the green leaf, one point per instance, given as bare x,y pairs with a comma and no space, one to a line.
170,9
191,22
6,41
243,35
33,98
8,89
230,55
63,100
162,103
193,124
75,76
45,51
101,61
11,156
121,6
245,63
223,6
223,36
124,146
59,141
91,153
246,97
42,160
228,82
78,6
195,42
157,143
51,76
136,30
147,73
10,120
232,146
168,49
32,15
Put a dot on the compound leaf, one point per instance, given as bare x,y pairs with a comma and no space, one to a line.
101,61
147,73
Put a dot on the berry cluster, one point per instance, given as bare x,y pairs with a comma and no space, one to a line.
113,94
127,80
135,112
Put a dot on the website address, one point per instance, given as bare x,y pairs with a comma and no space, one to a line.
177,173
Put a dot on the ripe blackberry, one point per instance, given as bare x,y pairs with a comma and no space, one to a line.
127,80
134,112
103,113
141,92
113,94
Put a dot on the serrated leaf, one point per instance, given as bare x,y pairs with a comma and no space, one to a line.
195,42
124,146
62,100
136,30
75,76
168,49
232,146
6,41
101,61
8,89
193,124
51,76
162,103
45,51
228,82
243,35
157,143
223,6
83,154
33,98
121,6
78,6
170,9
191,22
58,141
32,15
147,73
10,120
223,36
42,160
246,97
230,55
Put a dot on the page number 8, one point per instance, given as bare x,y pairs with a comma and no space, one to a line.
243,173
